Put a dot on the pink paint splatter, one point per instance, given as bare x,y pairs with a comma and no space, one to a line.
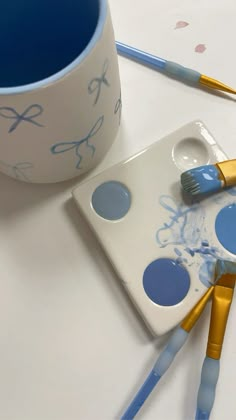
200,48
181,24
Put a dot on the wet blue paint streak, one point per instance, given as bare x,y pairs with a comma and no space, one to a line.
186,228
225,227
183,227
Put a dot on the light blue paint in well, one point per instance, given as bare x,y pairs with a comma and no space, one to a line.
45,40
166,282
111,200
225,227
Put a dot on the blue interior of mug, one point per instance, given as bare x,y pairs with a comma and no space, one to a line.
39,38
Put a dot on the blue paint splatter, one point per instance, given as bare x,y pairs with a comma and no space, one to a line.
186,227
178,252
29,115
183,227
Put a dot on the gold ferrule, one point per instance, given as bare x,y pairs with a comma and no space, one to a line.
221,302
192,317
215,84
227,171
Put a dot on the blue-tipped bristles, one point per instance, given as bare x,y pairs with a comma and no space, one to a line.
201,180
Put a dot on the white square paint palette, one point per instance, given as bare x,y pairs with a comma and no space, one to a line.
162,244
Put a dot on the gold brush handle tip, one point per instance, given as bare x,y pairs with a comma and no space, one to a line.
192,317
215,84
221,302
227,171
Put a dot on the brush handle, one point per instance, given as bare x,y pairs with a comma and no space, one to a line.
140,56
176,342
163,362
169,67
207,389
182,73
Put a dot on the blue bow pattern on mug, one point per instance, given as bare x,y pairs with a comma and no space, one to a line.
18,170
96,84
118,107
28,115
66,146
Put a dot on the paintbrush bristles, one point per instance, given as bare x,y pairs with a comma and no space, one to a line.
202,180
189,183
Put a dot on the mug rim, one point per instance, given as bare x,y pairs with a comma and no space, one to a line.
70,67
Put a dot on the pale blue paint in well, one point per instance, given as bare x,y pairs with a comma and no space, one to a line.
111,200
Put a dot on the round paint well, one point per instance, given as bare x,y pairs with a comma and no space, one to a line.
166,282
190,153
225,227
111,200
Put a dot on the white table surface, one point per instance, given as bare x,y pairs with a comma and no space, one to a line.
72,347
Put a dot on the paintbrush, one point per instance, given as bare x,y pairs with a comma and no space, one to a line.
175,343
222,292
172,69
209,178
221,303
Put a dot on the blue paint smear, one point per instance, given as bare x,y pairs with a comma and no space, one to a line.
225,227
186,227
178,252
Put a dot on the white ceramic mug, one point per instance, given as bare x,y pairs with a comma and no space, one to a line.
60,96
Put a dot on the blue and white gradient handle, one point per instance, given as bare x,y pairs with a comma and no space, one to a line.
207,389
163,362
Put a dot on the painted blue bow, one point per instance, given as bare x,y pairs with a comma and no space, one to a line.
18,169
96,84
118,107
28,115
66,146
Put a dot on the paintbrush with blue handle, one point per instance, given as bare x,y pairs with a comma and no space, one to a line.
209,178
221,302
175,343
171,68
222,291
